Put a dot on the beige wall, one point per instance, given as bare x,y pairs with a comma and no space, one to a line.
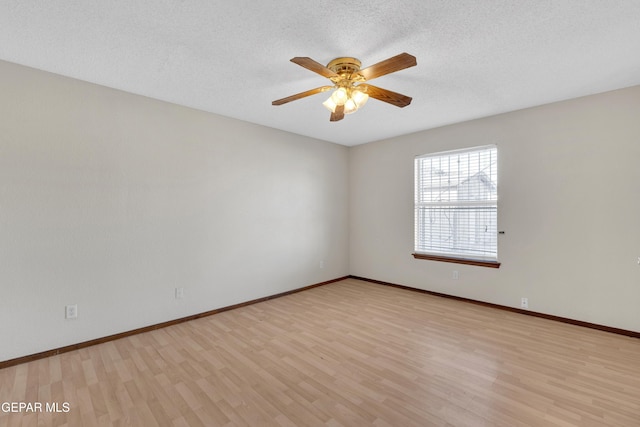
110,201
569,204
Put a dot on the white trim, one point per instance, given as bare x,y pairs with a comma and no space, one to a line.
455,204
457,151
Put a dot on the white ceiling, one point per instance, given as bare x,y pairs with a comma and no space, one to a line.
475,57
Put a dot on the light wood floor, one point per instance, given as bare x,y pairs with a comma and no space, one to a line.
350,353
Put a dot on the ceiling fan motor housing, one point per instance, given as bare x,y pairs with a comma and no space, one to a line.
344,65
347,68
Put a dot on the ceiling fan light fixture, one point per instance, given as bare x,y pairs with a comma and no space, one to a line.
350,106
351,98
340,96
359,97
330,104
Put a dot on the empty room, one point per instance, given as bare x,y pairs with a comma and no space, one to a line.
296,213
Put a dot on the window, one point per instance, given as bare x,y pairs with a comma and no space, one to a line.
456,206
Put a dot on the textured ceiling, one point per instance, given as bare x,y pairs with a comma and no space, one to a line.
475,57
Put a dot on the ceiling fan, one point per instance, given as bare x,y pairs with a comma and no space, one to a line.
349,81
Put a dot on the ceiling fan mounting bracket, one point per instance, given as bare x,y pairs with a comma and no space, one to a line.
346,67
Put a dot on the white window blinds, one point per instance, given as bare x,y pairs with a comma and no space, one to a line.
456,204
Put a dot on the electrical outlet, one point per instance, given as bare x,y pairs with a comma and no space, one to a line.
455,275
179,293
71,311
321,264
524,302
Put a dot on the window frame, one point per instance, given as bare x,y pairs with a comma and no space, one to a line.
445,256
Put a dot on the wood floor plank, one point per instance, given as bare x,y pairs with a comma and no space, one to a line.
343,354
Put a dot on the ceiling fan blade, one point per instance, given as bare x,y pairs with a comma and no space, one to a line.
301,95
314,66
338,114
393,98
396,63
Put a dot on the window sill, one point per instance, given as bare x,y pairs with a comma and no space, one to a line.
490,264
